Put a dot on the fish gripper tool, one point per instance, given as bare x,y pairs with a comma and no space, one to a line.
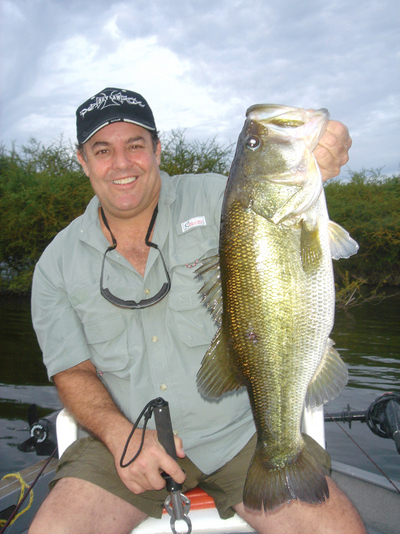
176,504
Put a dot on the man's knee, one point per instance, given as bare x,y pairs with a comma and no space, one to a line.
75,505
335,516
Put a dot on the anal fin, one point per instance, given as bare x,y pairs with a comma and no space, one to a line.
329,379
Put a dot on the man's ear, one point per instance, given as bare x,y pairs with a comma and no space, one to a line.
158,152
83,163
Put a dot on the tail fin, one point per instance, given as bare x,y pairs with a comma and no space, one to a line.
268,486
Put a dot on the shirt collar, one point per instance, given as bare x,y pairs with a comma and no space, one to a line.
90,226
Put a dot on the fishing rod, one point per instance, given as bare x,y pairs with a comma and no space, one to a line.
382,417
23,497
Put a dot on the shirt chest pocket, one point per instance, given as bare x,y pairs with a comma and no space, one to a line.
194,324
193,321
185,247
108,342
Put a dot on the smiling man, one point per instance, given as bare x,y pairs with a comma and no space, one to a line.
120,186
116,309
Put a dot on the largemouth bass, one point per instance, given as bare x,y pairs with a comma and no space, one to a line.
278,299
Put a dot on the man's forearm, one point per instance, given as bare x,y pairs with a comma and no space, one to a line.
84,395
89,402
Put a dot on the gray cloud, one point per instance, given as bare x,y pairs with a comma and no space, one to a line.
223,57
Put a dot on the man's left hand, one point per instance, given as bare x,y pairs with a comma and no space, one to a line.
332,151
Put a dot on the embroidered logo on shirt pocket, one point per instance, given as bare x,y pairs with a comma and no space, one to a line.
194,221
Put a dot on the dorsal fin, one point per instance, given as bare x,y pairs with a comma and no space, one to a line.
217,374
211,290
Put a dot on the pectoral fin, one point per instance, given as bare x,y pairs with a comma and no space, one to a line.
329,379
217,374
310,247
342,245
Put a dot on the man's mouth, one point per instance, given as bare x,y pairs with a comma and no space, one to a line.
123,181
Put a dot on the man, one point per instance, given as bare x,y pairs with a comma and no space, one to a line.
111,349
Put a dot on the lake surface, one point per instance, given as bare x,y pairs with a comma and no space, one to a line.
367,337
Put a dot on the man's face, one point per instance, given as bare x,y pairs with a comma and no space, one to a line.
123,169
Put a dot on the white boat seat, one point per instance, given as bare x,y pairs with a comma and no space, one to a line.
203,514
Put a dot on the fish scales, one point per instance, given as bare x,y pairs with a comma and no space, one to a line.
276,322
277,287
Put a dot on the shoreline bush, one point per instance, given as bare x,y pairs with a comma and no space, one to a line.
42,189
368,207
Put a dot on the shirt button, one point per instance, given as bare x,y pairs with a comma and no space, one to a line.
147,291
163,387
154,339
176,433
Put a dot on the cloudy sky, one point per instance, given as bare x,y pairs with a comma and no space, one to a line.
201,63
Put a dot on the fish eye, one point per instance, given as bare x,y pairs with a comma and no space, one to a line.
253,142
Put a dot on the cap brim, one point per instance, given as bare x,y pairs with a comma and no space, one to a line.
88,135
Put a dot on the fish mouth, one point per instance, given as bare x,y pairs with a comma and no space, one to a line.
280,118
124,181
277,115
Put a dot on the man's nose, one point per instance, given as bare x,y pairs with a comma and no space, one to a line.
121,159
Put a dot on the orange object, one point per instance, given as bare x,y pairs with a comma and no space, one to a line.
199,500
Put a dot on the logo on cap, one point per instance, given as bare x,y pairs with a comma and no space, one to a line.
115,98
112,105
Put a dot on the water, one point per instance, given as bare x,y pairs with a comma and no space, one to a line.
367,337
23,381
368,340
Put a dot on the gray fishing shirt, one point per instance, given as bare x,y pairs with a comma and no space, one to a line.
156,351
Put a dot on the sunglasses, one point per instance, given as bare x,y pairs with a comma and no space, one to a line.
131,304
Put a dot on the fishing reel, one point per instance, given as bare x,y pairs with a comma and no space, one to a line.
42,434
382,417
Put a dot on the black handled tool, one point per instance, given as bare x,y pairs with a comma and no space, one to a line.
176,504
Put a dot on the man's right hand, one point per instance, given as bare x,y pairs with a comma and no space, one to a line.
86,398
145,472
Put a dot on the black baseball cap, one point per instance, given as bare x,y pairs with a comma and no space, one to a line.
112,105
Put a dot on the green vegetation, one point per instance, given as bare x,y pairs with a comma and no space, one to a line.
368,207
42,189
180,156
